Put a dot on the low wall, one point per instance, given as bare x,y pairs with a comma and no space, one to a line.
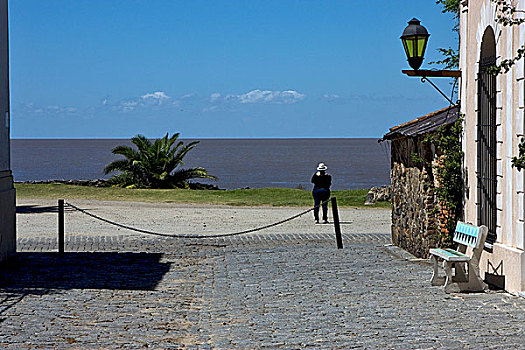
7,216
504,268
415,207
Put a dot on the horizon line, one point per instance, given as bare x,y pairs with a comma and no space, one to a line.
199,138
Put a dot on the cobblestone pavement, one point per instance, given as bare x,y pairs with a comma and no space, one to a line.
254,291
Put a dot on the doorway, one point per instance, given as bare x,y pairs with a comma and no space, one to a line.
486,137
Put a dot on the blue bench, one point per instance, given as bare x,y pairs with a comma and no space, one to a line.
461,266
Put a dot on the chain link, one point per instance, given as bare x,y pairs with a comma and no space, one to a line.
83,211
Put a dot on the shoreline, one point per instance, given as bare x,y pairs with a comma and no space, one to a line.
104,183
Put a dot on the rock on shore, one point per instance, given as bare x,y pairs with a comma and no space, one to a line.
104,183
94,183
383,193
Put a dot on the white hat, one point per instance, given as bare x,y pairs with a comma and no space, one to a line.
322,166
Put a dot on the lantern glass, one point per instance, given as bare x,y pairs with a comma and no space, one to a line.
421,45
415,46
408,44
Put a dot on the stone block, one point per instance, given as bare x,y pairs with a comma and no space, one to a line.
383,193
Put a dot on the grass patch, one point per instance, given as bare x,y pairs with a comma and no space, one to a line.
278,197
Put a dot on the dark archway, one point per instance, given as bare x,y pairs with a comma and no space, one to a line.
486,137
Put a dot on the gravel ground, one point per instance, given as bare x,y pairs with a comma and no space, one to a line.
38,218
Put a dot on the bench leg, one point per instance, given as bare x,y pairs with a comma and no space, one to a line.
450,286
436,279
460,274
471,284
475,283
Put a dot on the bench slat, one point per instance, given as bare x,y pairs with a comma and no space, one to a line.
449,254
467,234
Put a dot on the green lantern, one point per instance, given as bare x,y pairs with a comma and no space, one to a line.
415,38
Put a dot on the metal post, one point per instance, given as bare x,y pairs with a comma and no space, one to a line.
61,226
337,228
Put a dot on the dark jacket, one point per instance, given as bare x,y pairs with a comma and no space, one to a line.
321,180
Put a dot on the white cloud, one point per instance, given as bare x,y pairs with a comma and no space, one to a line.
157,97
260,96
214,97
331,97
154,102
190,95
149,100
31,108
161,102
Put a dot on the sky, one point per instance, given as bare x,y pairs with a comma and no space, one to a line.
218,69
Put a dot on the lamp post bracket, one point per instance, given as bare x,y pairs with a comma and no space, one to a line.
432,73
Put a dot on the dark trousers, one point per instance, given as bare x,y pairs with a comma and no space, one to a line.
321,195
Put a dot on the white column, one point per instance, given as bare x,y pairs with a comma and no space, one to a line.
509,143
520,125
500,155
470,188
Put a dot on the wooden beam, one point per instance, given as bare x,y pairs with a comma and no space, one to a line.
432,73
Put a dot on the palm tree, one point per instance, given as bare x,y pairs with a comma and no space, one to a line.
153,165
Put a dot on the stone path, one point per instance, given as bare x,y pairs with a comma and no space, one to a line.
258,291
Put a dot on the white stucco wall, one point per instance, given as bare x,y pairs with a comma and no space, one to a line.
476,17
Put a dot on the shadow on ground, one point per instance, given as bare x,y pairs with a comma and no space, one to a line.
39,209
35,209
99,270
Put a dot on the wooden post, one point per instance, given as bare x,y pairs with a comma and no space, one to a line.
337,228
60,226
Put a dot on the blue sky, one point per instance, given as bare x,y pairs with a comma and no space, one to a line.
217,69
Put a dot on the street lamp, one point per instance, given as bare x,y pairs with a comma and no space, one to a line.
415,38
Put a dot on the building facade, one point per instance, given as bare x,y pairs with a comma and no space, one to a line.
493,108
7,192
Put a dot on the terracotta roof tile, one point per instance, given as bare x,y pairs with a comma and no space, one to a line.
425,124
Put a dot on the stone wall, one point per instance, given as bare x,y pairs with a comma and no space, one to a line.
416,211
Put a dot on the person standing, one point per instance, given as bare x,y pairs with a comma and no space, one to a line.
321,192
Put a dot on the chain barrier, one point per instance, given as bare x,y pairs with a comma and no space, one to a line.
83,211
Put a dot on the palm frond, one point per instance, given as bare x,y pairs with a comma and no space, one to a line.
117,165
172,139
126,151
142,143
123,179
174,149
191,173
